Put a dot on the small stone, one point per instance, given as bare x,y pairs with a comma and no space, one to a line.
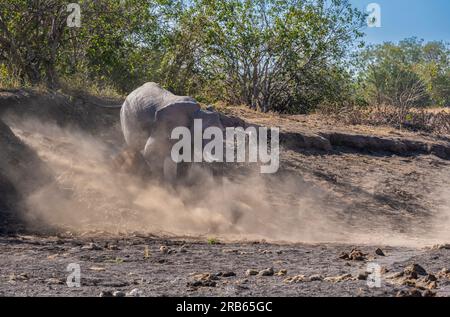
340,278
267,272
228,274
362,276
282,272
411,293
251,272
430,278
203,280
379,252
134,293
205,277
415,268
357,255
429,293
163,249
444,273
113,247
19,277
119,294
91,246
295,279
432,285
344,256
316,277
202,284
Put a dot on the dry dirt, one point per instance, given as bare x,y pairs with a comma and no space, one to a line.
338,188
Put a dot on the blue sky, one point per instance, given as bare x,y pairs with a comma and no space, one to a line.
426,19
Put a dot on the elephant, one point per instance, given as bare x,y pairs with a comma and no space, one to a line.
147,118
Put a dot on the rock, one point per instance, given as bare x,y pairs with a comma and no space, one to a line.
362,276
315,277
379,252
354,255
340,278
415,269
267,272
429,293
295,279
251,272
202,284
91,246
411,293
282,272
357,255
230,250
20,277
344,256
442,246
106,294
444,273
205,277
119,294
163,249
430,278
113,247
228,274
134,293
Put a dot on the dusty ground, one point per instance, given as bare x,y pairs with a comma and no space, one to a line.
36,266
323,202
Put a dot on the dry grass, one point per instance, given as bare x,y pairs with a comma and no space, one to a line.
431,120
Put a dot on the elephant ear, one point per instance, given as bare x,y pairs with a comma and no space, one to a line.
209,119
177,114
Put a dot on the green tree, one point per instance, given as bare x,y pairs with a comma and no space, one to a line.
266,54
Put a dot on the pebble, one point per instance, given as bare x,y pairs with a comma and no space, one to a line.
379,252
282,272
229,274
411,293
251,272
316,277
134,293
340,278
163,249
414,270
362,276
119,294
267,272
91,246
295,279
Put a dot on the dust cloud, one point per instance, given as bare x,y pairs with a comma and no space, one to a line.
89,194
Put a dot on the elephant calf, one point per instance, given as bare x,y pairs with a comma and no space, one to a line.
148,116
